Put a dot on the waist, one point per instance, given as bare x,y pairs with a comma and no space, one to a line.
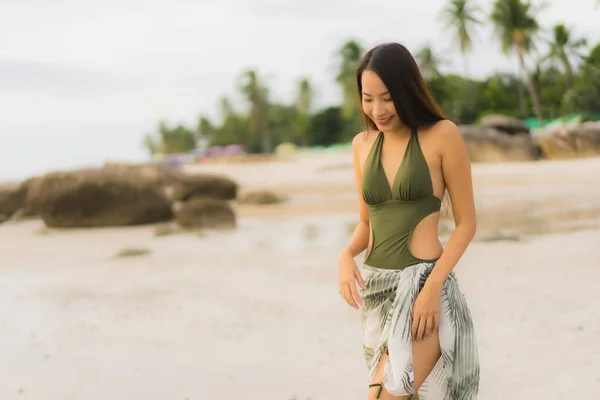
392,226
394,258
396,218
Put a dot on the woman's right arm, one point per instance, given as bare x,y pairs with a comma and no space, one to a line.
360,238
348,271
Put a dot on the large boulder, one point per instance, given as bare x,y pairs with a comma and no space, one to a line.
503,123
580,141
205,213
486,144
98,197
159,174
12,198
190,186
261,197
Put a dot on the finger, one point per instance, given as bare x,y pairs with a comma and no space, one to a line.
436,323
359,279
428,328
415,328
422,328
348,296
343,293
354,293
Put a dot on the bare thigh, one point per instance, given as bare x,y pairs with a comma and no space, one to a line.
378,378
425,354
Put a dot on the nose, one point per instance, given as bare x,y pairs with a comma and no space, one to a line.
379,109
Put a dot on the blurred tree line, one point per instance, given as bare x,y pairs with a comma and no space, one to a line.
566,79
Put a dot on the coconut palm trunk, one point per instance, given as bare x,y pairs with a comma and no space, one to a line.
530,86
517,27
461,17
256,94
568,69
261,123
350,55
521,96
564,47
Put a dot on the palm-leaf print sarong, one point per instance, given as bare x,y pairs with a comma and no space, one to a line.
386,321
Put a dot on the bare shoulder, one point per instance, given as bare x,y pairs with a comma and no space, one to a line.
440,130
363,140
446,130
448,136
359,138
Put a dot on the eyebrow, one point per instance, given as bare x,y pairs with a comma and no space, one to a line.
382,94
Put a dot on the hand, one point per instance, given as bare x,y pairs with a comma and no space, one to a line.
426,313
349,274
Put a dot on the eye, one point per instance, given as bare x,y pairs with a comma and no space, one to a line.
367,100
387,99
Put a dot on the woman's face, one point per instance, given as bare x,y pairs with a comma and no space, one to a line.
377,102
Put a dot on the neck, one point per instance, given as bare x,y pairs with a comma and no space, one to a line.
402,131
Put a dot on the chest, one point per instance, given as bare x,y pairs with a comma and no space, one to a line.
402,162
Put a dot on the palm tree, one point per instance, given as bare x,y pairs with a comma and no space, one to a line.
516,27
305,96
204,127
462,17
168,140
303,107
350,53
225,107
562,46
151,144
256,94
593,59
429,62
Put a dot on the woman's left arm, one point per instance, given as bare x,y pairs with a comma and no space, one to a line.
456,170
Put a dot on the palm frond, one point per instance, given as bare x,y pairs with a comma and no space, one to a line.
461,17
515,24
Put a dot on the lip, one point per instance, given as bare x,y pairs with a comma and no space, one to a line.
384,122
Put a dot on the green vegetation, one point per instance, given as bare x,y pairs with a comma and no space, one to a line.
565,80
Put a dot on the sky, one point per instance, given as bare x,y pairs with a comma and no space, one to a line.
82,82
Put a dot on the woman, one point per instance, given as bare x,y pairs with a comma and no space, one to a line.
404,163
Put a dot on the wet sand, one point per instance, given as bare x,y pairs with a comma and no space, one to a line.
255,313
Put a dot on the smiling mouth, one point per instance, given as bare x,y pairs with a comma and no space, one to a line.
385,121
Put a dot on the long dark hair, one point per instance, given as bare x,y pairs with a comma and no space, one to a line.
399,71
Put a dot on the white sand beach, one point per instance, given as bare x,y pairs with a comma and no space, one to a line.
255,313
